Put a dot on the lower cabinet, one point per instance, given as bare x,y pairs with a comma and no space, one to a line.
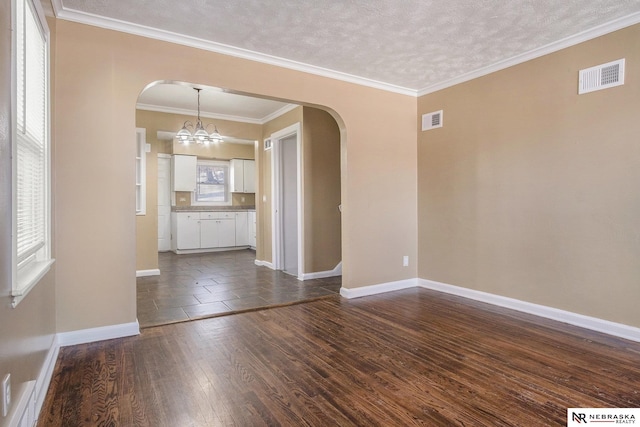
242,229
251,215
208,230
186,232
217,230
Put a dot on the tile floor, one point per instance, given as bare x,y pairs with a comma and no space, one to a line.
196,286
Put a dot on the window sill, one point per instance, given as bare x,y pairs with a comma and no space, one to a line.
28,279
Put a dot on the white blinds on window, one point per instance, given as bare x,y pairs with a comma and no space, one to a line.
31,118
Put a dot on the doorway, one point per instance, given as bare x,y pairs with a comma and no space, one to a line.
287,201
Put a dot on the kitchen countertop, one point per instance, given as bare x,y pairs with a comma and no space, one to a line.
211,208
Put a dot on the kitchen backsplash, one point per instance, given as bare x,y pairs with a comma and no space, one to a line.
183,198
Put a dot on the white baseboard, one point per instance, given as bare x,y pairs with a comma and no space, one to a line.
264,264
145,273
337,271
587,322
209,250
378,289
46,373
23,407
98,334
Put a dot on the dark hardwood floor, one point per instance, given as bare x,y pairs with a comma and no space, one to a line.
412,357
196,286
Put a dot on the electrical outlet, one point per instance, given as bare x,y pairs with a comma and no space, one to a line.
6,394
405,261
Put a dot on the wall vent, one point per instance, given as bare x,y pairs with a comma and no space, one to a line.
601,77
267,144
432,120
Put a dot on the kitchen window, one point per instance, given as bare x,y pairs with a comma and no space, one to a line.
30,148
212,183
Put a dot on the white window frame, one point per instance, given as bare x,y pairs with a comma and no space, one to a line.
141,171
227,189
28,272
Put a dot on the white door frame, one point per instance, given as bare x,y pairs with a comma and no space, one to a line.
276,202
167,157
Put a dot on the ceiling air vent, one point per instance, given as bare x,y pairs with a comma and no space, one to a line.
601,77
267,144
432,120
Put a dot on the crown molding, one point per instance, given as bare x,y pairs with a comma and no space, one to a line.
187,112
241,119
278,113
140,30
573,40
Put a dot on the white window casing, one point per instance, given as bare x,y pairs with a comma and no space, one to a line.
31,202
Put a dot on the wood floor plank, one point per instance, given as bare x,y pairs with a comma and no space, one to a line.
413,357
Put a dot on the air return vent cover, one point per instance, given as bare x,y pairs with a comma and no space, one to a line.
432,120
601,77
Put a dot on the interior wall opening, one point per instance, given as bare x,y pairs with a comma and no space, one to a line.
205,243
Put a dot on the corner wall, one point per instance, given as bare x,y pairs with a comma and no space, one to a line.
530,191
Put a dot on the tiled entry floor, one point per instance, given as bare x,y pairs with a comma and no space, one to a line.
205,285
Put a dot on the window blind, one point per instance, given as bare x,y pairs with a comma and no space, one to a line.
31,143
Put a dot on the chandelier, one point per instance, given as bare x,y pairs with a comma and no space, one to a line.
200,134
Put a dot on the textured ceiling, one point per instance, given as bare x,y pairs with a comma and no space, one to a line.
413,44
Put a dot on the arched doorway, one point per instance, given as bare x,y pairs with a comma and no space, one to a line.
163,108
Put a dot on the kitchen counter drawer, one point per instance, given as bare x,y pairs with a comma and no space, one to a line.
217,215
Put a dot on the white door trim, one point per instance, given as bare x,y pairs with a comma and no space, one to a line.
276,202
164,157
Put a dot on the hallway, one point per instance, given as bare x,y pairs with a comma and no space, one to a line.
213,284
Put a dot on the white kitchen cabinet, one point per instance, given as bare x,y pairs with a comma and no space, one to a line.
183,172
187,233
217,230
249,176
207,231
242,229
227,233
243,176
209,236
253,231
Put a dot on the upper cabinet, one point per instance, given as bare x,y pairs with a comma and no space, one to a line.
243,176
183,171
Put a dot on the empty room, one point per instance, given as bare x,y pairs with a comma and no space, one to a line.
331,213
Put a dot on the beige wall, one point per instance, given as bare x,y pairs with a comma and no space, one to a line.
321,181
26,332
530,191
99,76
152,121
